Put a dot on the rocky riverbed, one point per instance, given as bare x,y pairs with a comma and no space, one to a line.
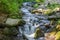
38,23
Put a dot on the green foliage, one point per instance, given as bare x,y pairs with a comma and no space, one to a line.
11,7
40,1
36,5
20,2
52,6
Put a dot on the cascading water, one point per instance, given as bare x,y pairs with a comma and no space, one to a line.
32,22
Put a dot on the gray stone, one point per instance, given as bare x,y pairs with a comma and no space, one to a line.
12,22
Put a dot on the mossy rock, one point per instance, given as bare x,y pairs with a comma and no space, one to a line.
38,33
10,31
47,11
43,11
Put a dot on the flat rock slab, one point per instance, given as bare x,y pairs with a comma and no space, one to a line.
12,22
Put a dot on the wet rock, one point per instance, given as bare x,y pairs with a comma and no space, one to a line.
38,33
10,31
14,22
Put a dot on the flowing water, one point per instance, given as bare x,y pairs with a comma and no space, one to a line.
32,22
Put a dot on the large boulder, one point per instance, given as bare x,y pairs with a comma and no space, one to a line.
14,22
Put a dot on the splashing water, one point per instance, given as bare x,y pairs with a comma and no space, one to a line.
32,22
